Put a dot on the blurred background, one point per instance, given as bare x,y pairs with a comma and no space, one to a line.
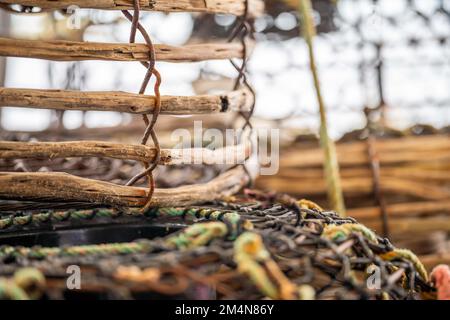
390,53
384,68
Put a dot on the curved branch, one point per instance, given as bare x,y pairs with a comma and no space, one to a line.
239,100
57,187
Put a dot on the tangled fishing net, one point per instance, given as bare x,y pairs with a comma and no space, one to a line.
254,246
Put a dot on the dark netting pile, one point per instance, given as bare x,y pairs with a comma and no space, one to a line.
254,246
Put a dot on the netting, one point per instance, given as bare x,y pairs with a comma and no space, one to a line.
260,246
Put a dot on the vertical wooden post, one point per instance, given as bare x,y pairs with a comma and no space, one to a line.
331,166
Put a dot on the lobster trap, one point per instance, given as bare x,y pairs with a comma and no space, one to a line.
78,199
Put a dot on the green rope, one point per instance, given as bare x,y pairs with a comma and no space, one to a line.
26,284
11,291
228,223
231,218
37,252
197,235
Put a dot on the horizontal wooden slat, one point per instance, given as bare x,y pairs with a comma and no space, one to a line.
235,7
239,100
59,50
390,151
356,186
68,188
51,150
412,225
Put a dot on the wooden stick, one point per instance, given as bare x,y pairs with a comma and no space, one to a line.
52,150
239,100
57,187
235,7
77,51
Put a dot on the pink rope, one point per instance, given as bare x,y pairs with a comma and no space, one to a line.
441,278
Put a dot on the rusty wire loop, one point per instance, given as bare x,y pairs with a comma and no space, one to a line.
150,124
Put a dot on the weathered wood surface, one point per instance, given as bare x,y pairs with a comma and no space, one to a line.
412,225
239,100
414,149
52,150
357,186
59,50
235,7
62,187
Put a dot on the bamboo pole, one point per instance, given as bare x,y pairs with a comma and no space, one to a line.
235,7
62,187
331,166
239,100
52,150
59,50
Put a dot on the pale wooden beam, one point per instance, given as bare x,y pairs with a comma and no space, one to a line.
52,150
239,100
57,187
235,7
60,50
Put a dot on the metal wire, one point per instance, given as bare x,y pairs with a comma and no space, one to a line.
150,124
